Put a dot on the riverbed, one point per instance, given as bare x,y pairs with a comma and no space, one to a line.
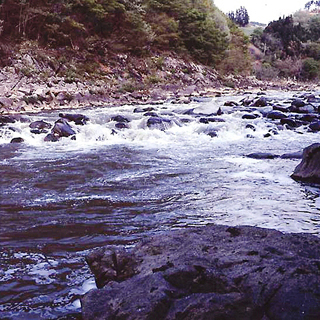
117,184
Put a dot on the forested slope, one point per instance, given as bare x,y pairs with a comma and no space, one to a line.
74,37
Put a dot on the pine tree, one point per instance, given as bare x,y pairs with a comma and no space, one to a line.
240,17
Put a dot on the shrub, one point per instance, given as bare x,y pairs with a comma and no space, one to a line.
310,69
289,68
266,71
313,50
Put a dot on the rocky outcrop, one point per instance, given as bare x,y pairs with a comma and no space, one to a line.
212,272
309,168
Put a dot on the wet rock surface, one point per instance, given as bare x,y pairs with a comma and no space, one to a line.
309,168
212,272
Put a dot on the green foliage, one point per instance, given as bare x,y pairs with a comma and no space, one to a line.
291,46
237,59
310,69
313,50
193,28
256,36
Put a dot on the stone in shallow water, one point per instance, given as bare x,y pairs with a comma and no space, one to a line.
17,140
262,155
274,115
77,118
40,125
51,138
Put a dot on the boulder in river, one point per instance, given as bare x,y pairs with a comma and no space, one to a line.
308,108
62,128
51,138
121,125
212,133
250,116
262,155
158,123
40,125
7,119
291,123
298,103
17,140
208,120
309,168
261,102
231,104
275,115
77,118
212,272
120,118
315,126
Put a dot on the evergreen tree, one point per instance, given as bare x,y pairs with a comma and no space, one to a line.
310,3
240,17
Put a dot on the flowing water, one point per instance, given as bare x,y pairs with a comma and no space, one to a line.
60,200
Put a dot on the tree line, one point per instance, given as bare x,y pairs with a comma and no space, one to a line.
291,46
195,27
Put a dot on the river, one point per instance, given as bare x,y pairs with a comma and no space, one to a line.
115,186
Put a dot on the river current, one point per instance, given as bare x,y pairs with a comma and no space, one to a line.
115,186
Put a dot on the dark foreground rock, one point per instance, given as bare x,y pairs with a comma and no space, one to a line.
212,272
309,168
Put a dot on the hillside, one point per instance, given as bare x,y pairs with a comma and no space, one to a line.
91,32
126,45
291,47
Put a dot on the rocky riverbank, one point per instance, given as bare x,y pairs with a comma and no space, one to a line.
212,272
29,85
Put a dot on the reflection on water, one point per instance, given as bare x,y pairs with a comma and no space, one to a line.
59,200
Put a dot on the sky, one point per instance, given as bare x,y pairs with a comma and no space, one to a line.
262,11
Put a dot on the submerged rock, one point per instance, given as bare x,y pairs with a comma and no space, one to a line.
262,155
208,120
212,272
121,125
212,133
309,168
51,138
120,118
158,123
298,103
231,104
293,155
